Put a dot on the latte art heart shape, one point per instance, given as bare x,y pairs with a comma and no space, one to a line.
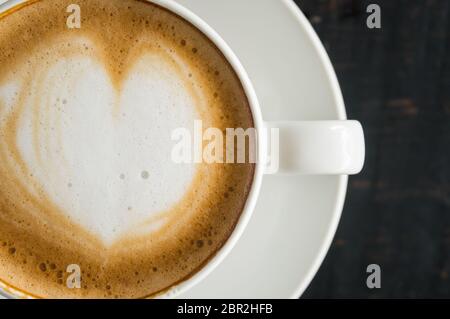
101,140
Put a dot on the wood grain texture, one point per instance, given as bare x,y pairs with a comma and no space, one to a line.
396,81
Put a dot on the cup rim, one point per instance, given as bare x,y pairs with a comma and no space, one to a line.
250,203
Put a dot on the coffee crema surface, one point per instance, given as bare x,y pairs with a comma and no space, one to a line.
86,176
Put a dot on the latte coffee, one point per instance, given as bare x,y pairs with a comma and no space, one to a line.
86,177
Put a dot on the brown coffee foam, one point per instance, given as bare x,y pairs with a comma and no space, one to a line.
37,240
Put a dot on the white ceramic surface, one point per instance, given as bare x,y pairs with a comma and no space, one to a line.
296,216
318,147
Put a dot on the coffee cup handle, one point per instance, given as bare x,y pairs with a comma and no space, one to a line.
314,147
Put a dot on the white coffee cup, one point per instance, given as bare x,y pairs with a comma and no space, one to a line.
305,147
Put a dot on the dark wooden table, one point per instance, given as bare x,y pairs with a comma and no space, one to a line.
396,81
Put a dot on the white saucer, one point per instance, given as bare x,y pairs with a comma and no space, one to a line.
296,217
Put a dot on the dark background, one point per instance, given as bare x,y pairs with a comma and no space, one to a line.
396,81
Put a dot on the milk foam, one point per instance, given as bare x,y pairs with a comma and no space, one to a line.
87,144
